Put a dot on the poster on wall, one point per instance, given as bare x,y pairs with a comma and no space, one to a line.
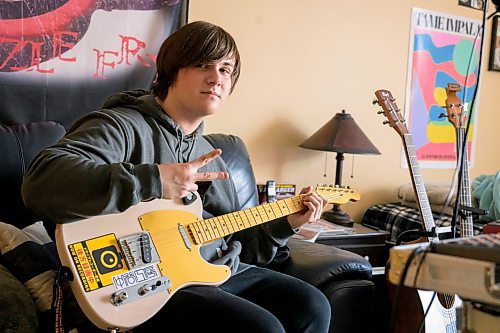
60,59
443,49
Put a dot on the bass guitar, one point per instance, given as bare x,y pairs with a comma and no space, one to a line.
442,315
457,116
126,266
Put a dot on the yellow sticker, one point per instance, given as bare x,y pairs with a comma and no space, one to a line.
97,261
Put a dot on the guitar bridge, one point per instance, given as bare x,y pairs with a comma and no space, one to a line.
138,250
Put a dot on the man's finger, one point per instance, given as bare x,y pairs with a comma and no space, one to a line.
306,190
205,159
206,176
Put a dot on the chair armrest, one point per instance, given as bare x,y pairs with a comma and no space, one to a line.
319,264
19,144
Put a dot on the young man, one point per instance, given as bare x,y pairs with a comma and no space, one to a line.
149,144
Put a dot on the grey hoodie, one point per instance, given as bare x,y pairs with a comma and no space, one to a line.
108,161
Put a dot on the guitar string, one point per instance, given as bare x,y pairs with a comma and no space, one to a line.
447,310
168,244
428,219
260,212
291,204
466,226
414,168
450,300
463,144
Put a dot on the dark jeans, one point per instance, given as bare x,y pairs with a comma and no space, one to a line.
256,300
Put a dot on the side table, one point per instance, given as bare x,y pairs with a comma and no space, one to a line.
363,240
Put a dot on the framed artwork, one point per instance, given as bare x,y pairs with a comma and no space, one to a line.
495,46
476,4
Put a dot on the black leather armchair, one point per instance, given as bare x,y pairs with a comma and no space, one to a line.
344,277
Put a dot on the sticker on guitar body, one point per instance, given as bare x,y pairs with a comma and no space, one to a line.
135,277
97,261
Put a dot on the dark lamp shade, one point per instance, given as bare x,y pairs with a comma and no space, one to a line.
342,135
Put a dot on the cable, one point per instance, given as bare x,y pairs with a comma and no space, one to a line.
460,171
421,326
463,144
417,272
397,294
460,158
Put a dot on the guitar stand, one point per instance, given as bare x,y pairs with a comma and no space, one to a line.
476,211
419,233
463,210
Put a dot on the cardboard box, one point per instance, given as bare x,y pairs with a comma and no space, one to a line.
283,191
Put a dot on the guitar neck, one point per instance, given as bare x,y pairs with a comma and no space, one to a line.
418,185
210,229
466,223
396,121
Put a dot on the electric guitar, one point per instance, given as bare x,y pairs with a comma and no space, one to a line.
126,266
442,314
457,116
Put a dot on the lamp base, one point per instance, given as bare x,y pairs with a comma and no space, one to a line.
338,216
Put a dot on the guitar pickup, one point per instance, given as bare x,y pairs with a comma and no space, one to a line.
145,245
138,250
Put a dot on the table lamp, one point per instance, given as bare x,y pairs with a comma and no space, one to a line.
341,135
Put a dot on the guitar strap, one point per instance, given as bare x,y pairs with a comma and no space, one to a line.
63,273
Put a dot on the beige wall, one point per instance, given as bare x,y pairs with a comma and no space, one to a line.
304,61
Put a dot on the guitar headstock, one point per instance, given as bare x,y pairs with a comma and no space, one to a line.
389,108
337,195
454,107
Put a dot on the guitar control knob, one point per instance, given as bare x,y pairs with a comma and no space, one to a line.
119,298
144,290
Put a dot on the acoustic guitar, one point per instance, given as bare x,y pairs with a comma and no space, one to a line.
442,315
126,266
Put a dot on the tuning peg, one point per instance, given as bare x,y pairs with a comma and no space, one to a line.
380,112
385,122
441,115
375,101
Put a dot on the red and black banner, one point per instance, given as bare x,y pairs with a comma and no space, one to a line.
59,59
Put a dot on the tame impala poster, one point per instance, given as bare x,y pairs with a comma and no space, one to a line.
60,59
443,49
